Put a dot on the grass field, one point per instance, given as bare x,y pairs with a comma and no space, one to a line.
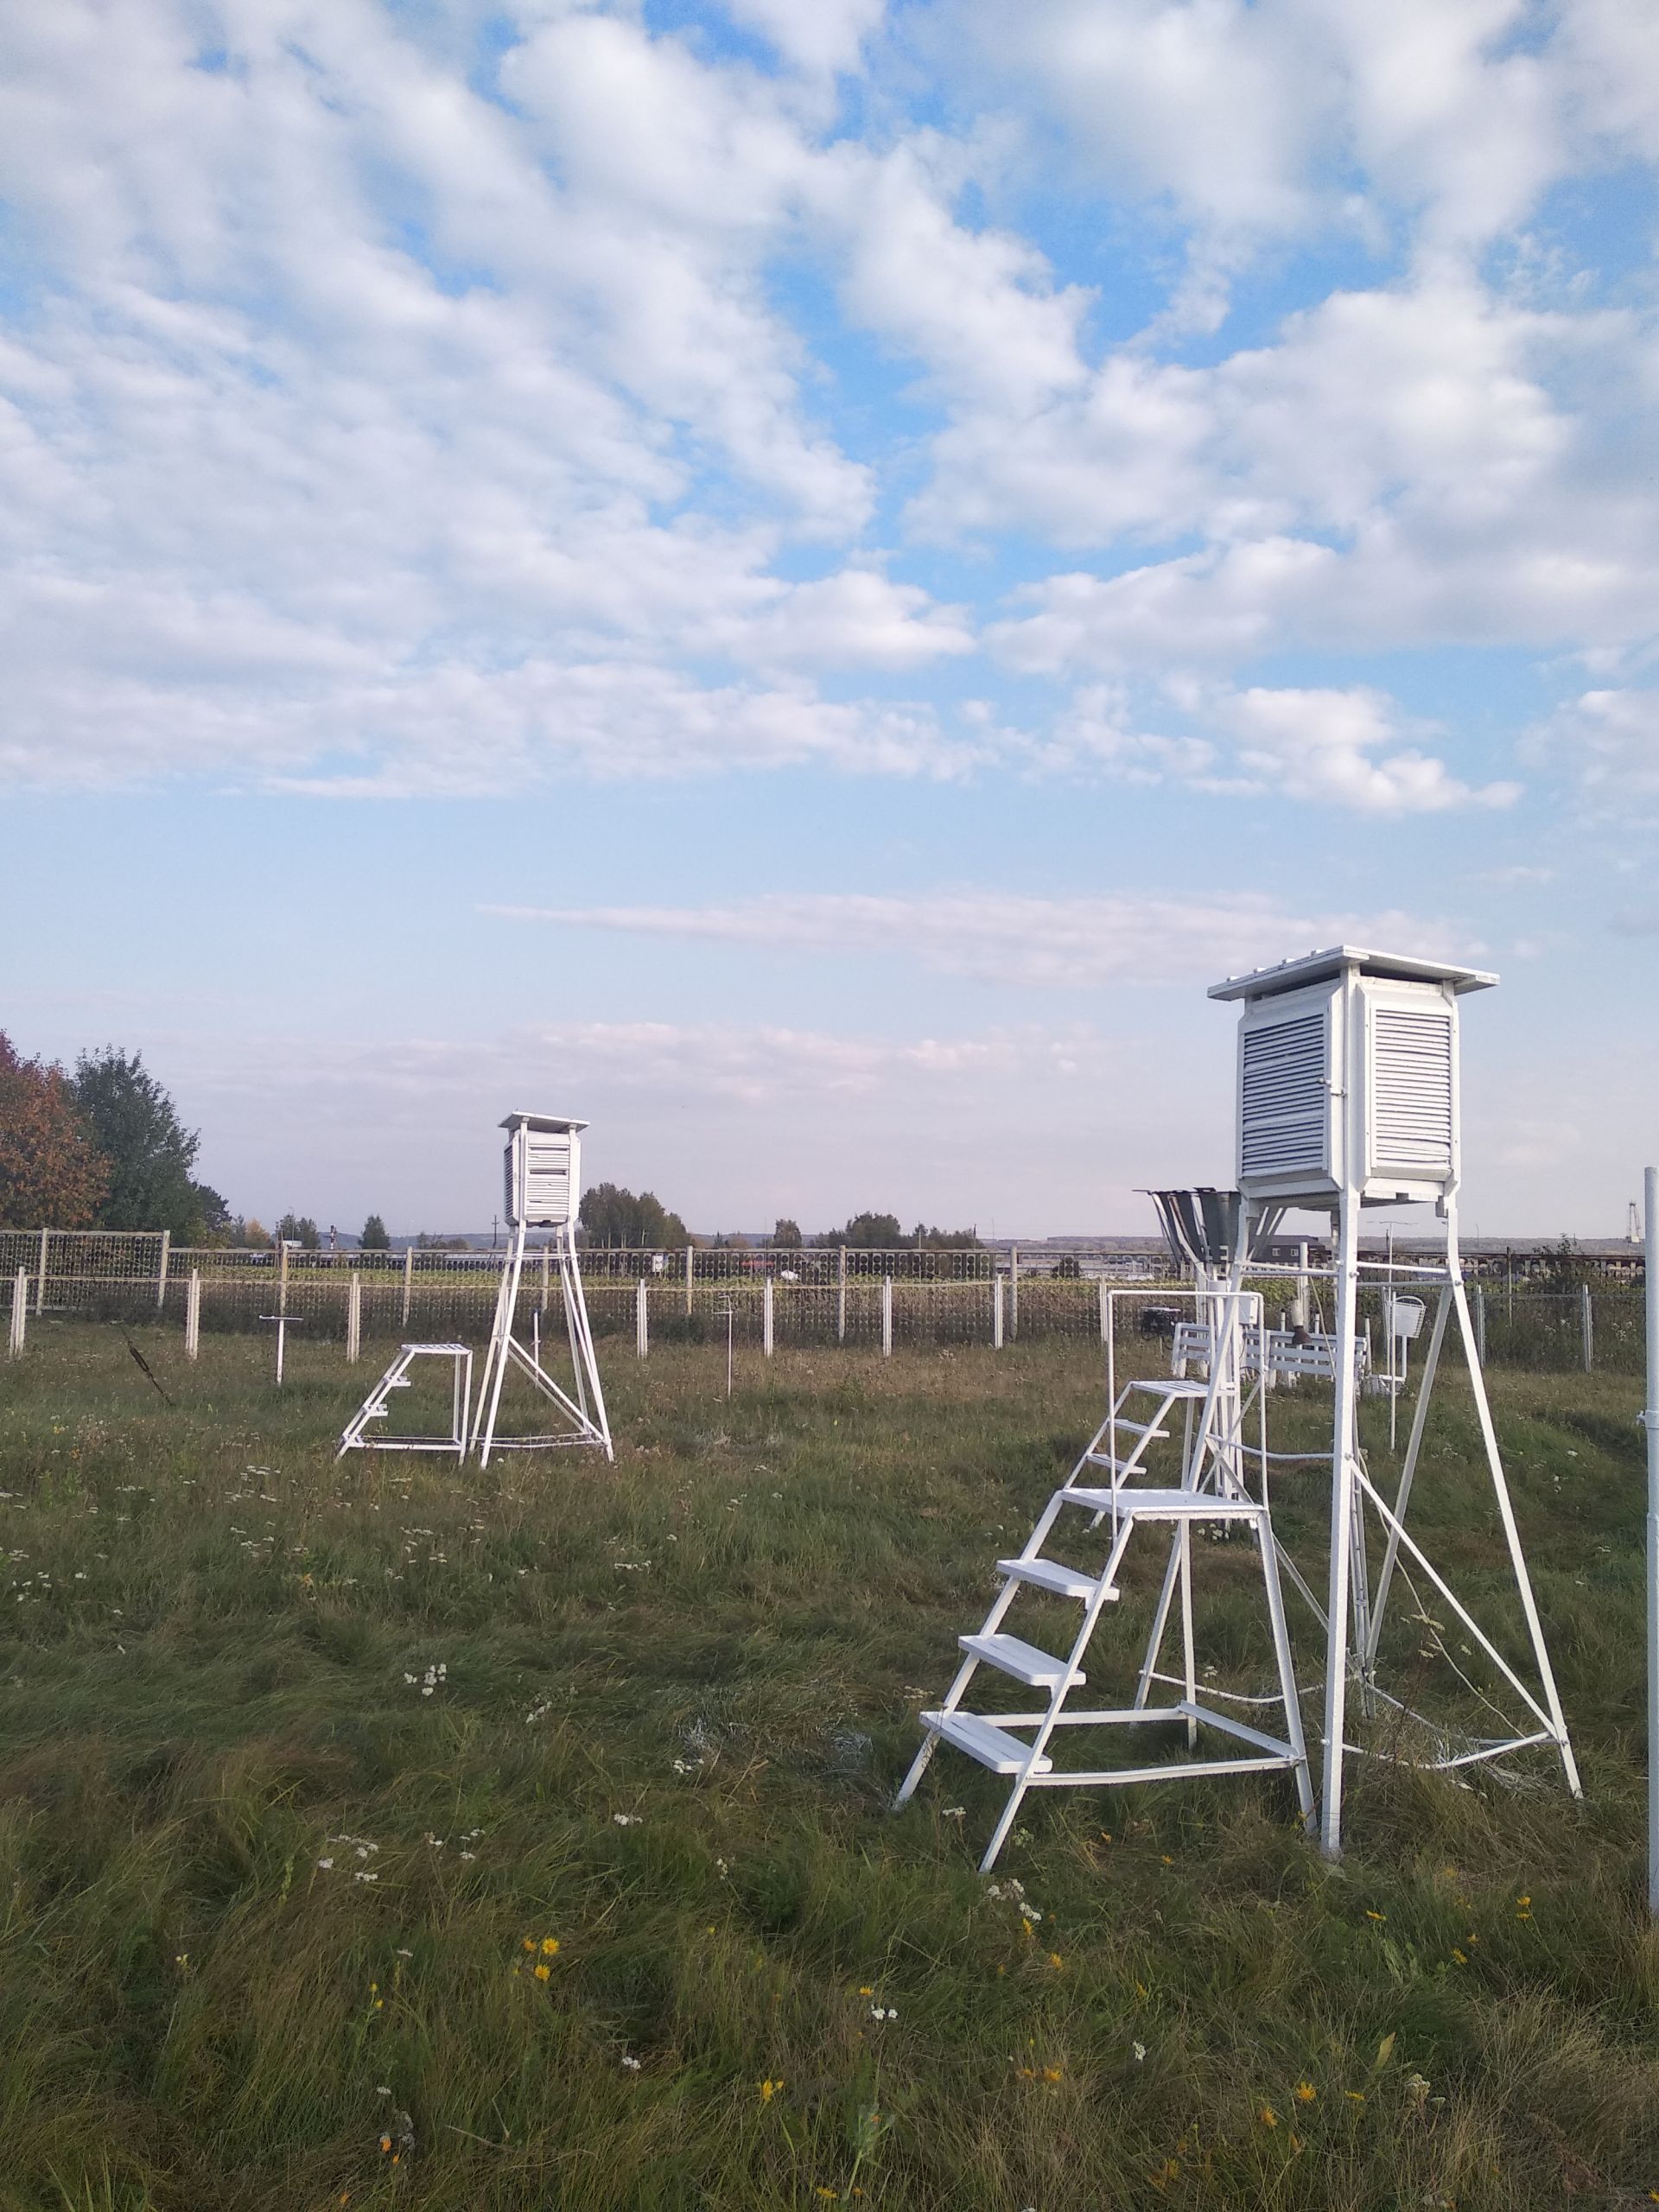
376,1835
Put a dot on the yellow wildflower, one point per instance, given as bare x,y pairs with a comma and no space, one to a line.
1055,1959
1305,2093
769,2090
866,1989
543,1971
549,1944
1355,2096
1369,1914
1462,1957
1267,2117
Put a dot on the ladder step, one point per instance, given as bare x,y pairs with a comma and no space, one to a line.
1023,1660
983,1740
1175,1386
1139,1427
1166,1504
1049,1574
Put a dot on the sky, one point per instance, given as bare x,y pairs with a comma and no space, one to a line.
797,578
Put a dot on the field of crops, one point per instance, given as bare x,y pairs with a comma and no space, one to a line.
380,1834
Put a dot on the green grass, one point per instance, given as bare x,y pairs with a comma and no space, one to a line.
677,1695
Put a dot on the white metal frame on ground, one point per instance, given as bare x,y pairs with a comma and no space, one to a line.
539,1199
377,1405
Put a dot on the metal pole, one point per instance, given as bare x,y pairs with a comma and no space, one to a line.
996,1314
1480,1322
728,1345
689,1263
1650,1421
193,1316
1342,1524
409,1279
841,1297
641,1320
40,1275
1105,1313
542,1303
887,1315
1014,1291
765,1317
19,1312
160,1272
1587,1328
354,1319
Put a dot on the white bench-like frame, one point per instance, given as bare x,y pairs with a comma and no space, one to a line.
377,1405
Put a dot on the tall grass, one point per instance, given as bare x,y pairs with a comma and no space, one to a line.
277,1890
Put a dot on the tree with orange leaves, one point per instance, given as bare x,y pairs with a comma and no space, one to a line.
51,1172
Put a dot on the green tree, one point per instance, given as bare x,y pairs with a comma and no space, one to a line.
136,1126
872,1232
374,1238
299,1229
787,1236
611,1215
52,1174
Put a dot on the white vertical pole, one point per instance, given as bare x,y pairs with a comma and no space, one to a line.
765,1317
1013,1290
281,1341
19,1311
1480,1322
887,1315
409,1279
1304,1309
1587,1328
996,1313
281,1293
354,1320
541,1307
160,1272
841,1297
691,1262
1650,1420
641,1320
1105,1313
193,1316
39,1273
1342,1522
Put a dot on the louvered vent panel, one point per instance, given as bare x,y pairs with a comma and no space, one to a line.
1412,1090
1283,1108
546,1193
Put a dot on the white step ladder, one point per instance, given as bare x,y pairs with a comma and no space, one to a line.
1208,1494
377,1405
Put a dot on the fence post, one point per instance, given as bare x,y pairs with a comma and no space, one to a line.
40,1275
161,1271
19,1311
765,1317
1014,1291
1480,1322
541,1307
887,1315
690,1272
1587,1324
996,1313
841,1298
193,1315
641,1320
1105,1313
354,1319
409,1279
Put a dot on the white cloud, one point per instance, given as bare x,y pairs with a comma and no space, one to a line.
814,35
1608,741
1345,747
1080,943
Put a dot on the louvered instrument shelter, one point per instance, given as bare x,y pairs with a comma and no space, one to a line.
1348,1077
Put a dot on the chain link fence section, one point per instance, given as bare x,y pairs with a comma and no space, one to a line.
819,1295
